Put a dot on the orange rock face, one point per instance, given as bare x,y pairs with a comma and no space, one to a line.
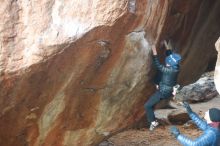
74,72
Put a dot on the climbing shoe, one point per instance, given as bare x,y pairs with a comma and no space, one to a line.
153,125
176,89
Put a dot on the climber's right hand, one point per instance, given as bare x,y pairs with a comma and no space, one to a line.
154,49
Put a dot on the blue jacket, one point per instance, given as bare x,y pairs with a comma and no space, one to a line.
159,74
210,136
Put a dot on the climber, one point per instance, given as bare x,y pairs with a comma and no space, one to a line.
168,80
210,126
168,51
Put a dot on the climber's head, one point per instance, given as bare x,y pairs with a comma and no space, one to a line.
173,60
212,115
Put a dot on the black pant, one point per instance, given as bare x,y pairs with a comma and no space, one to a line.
149,105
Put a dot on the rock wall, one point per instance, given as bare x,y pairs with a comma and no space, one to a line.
75,72
217,67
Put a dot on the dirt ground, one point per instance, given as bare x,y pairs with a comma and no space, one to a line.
143,137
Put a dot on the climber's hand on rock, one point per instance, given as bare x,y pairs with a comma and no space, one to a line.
166,44
154,49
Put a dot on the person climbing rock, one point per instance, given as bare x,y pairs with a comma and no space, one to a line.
169,74
210,127
168,51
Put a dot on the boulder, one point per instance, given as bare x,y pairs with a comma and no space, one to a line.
200,91
75,72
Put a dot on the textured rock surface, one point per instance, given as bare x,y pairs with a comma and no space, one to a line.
74,72
200,91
